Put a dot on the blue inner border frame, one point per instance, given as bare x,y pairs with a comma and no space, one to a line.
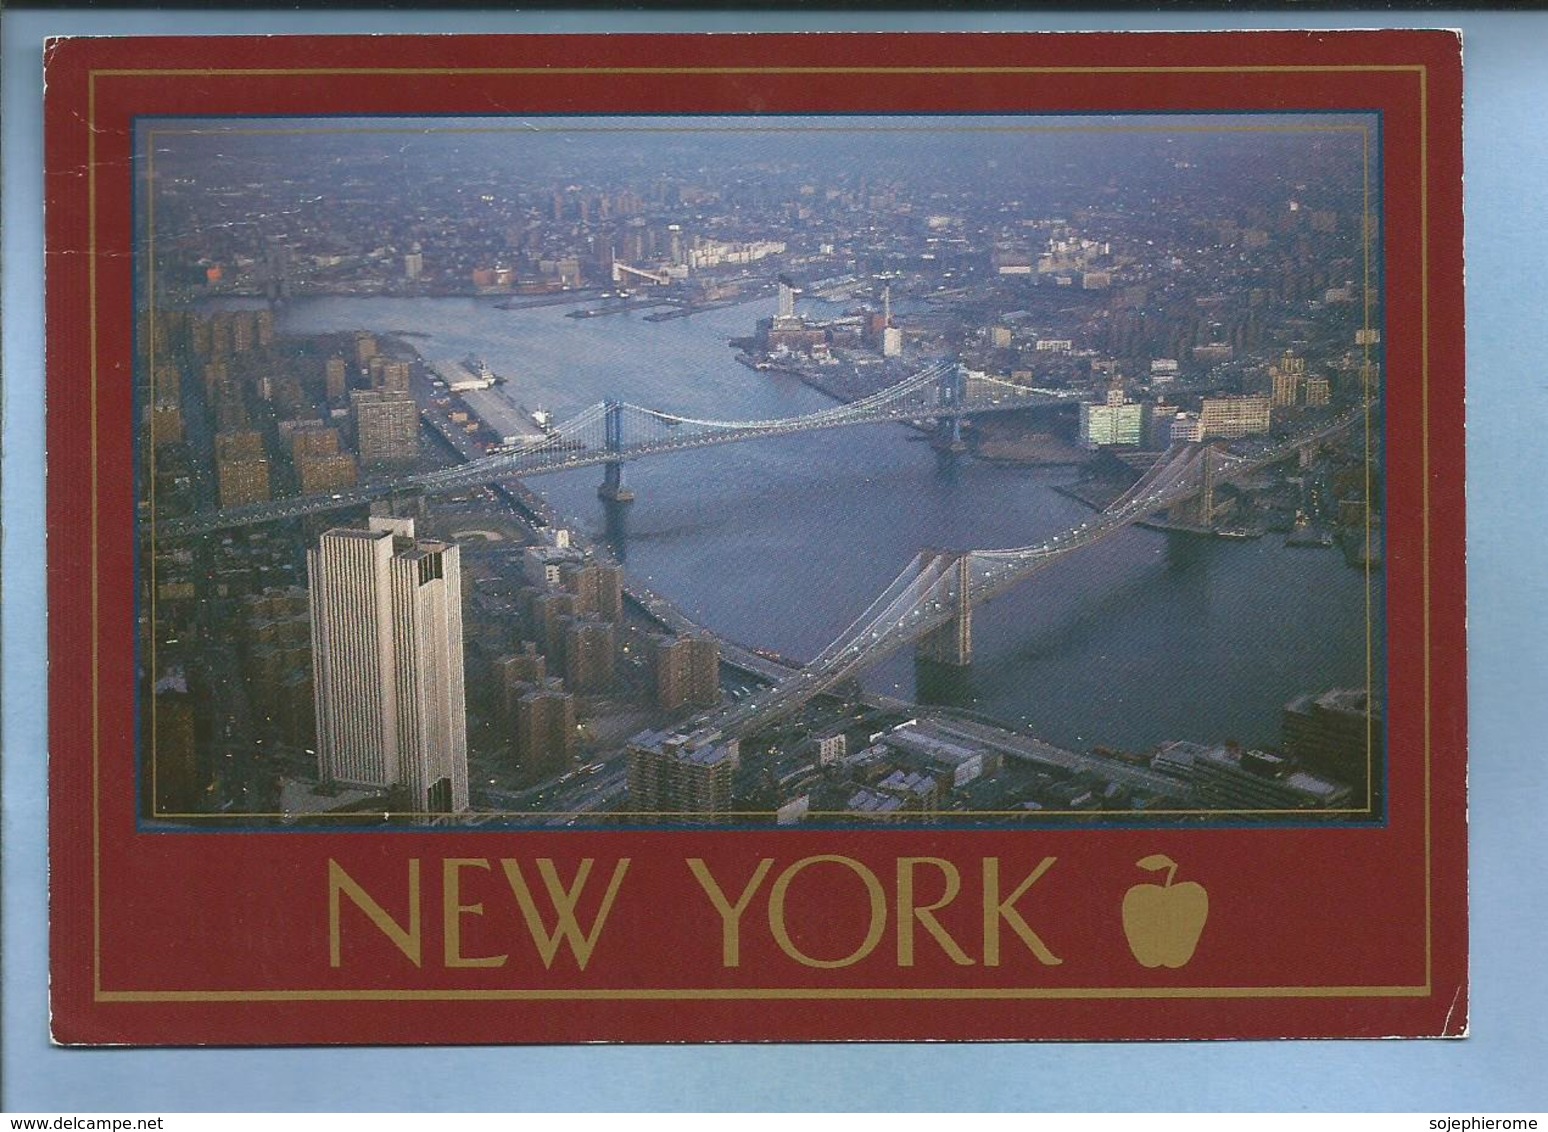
1499,1068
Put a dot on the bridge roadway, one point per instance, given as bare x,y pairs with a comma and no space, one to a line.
1025,748
587,440
604,791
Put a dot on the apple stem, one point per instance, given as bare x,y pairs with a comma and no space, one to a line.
1170,873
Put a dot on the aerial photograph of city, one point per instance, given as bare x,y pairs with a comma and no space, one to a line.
765,471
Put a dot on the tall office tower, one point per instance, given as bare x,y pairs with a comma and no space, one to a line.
387,663
386,426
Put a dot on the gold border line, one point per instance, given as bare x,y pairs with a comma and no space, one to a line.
150,474
290,72
96,619
1424,464
700,994
640,994
530,128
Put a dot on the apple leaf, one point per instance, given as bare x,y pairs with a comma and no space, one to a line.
1156,862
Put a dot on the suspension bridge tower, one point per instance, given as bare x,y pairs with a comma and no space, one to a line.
1198,510
952,392
613,489
952,643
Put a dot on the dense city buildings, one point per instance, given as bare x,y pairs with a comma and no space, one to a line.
317,339
386,426
1230,779
687,671
1233,417
242,467
1118,422
1338,733
544,739
590,653
681,776
387,653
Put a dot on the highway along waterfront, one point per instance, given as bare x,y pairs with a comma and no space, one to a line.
782,543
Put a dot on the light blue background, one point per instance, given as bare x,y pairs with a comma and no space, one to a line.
1501,1067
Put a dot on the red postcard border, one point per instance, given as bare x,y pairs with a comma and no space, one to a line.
87,1010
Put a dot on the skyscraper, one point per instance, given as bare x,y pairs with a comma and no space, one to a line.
387,663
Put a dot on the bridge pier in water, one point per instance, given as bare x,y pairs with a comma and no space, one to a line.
613,489
952,643
948,436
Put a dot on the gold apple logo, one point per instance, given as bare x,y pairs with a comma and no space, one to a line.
1164,921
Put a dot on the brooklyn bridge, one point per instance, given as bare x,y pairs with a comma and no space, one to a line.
930,603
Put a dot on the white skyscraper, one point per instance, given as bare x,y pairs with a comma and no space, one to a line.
387,663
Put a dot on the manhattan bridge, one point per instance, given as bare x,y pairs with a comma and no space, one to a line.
611,433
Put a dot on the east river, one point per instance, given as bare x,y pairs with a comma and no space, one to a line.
783,542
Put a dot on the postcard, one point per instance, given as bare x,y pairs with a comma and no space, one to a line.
756,538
